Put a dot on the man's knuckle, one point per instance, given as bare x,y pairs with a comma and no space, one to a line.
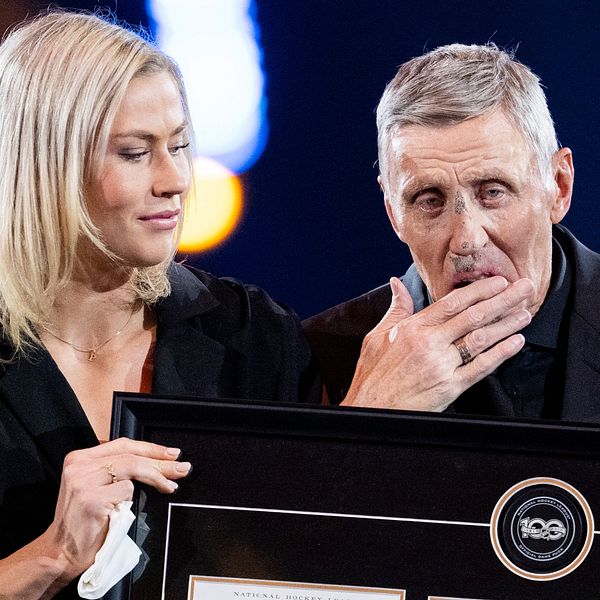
474,315
508,301
478,338
450,305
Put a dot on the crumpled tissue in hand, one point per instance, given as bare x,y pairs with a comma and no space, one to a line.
117,557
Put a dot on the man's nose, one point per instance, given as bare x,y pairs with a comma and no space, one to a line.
468,233
171,177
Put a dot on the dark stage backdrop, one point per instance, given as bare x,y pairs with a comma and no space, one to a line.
314,231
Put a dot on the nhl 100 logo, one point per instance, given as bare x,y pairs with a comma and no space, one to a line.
537,528
542,528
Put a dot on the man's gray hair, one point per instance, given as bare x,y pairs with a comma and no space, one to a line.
457,82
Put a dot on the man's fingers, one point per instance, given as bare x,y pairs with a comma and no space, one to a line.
479,340
488,361
488,311
459,300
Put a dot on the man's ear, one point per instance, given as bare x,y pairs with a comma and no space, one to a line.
564,174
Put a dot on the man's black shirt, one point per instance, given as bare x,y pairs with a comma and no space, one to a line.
530,384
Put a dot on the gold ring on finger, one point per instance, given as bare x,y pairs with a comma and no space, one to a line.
111,472
463,350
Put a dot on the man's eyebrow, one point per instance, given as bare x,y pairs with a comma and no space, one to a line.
496,175
416,185
146,135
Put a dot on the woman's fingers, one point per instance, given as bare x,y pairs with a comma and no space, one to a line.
128,446
95,481
126,459
161,474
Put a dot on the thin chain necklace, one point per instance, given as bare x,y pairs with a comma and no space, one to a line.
92,352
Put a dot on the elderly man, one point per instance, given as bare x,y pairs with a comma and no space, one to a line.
498,314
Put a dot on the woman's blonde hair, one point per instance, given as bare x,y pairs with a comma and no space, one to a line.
62,78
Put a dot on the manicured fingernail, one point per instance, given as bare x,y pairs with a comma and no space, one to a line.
173,452
184,467
172,485
523,316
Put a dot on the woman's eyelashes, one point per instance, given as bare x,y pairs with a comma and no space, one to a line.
136,154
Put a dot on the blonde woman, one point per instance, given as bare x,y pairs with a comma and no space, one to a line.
95,161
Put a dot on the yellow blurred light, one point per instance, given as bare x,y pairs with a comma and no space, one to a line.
213,208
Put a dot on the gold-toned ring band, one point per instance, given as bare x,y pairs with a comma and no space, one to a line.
111,472
463,350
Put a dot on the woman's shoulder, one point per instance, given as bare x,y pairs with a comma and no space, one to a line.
193,289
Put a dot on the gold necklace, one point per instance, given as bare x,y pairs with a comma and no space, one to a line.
92,352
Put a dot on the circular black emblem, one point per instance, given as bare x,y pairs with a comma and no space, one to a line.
542,528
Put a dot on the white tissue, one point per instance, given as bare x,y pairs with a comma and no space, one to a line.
117,557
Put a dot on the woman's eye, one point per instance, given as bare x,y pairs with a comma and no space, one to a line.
133,155
179,147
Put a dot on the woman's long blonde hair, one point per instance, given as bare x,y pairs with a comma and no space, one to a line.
62,79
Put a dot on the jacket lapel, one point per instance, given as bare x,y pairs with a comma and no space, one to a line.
187,361
581,398
582,374
40,398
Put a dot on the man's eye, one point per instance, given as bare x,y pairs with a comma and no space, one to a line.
493,193
430,204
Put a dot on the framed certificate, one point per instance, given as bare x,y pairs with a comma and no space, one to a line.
292,502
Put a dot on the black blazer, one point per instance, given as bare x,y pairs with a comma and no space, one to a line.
215,338
336,334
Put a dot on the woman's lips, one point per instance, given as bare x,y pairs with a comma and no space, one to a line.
163,220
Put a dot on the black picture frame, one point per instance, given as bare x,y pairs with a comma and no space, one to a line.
354,498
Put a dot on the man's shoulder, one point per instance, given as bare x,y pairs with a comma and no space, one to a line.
354,317
336,334
585,266
585,261
357,316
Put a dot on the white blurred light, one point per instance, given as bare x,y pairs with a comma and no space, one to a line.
214,43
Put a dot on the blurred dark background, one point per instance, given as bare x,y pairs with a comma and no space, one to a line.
314,230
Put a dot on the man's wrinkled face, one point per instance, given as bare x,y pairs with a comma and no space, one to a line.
470,202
